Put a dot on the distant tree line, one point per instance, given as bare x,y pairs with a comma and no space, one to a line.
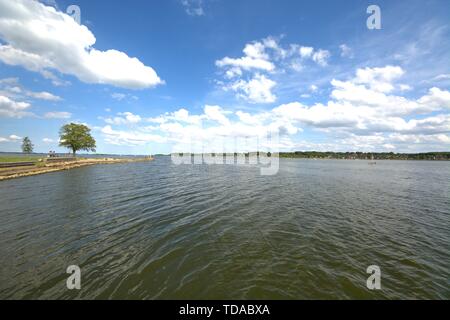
367,155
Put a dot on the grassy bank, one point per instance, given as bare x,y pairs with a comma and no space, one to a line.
19,158
45,167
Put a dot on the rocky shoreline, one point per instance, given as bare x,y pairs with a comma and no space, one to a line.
42,167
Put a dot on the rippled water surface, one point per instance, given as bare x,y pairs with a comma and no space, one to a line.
159,231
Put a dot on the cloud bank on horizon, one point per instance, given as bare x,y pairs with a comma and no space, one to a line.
360,91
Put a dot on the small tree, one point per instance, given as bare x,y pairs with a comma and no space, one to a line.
76,137
27,146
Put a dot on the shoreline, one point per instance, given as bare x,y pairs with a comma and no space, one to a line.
42,167
370,160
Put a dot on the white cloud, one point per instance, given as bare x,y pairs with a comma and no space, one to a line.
58,115
318,56
378,79
363,113
321,57
133,138
118,96
43,96
184,116
121,96
441,77
255,75
216,113
256,90
12,88
67,47
14,137
50,3
124,118
9,81
435,99
405,87
346,51
248,118
11,138
420,138
366,109
318,115
48,140
12,109
255,57
388,105
193,7
306,52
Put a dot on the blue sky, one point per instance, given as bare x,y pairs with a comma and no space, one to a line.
146,76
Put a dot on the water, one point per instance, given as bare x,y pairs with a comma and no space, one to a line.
158,231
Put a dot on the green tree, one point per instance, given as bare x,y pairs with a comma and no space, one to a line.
76,137
27,146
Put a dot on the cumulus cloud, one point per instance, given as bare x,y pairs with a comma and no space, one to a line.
58,115
129,138
306,52
14,137
13,109
254,75
43,96
124,118
363,113
12,94
321,57
405,87
255,57
67,47
11,138
435,99
12,88
378,79
216,113
183,115
256,90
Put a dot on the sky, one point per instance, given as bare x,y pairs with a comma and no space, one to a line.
151,77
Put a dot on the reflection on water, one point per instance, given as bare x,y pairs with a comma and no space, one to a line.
160,231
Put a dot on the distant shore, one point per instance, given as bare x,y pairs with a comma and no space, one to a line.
22,169
430,156
369,156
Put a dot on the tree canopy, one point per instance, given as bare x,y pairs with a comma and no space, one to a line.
76,137
27,146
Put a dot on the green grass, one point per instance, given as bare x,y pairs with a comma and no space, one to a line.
19,158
